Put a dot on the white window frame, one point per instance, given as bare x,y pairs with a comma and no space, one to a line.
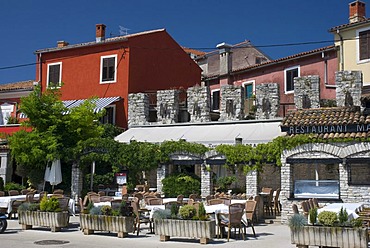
358,31
60,75
285,78
6,112
101,69
215,110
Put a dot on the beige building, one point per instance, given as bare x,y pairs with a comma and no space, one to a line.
353,41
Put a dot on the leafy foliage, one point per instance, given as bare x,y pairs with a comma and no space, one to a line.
297,221
169,147
180,184
187,212
162,214
327,218
13,186
27,206
95,211
313,215
49,204
225,182
342,216
106,210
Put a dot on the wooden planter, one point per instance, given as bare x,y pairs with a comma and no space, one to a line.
120,224
54,220
344,237
204,230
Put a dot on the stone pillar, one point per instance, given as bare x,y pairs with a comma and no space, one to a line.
167,106
343,181
287,187
267,101
76,182
251,183
307,92
349,88
6,168
232,103
138,109
206,180
198,104
162,172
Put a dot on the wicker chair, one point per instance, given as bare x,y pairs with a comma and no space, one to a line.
141,216
24,191
215,201
250,209
231,220
295,208
58,191
276,202
2,193
155,201
13,192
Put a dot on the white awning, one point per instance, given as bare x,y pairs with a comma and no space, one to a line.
209,134
99,102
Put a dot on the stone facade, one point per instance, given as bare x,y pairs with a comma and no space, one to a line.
349,88
162,172
307,92
138,109
206,181
6,169
232,103
199,104
267,101
167,106
348,192
251,184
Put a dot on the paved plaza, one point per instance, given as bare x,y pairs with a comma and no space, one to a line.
269,235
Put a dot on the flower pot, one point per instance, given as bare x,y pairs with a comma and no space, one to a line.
344,237
120,224
54,220
204,230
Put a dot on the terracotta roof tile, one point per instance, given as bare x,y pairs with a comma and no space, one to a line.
347,25
24,85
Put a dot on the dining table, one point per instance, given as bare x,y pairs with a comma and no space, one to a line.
351,208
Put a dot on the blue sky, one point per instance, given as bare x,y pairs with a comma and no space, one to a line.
199,24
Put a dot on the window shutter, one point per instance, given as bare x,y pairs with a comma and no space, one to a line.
364,45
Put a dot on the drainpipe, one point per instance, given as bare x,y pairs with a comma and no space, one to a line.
40,69
341,60
325,68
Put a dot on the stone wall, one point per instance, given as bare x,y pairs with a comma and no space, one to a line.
349,88
167,106
162,172
307,92
138,109
251,183
206,181
269,177
232,103
76,182
267,101
198,104
6,169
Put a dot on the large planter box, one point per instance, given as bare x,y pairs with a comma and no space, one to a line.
54,220
120,224
204,230
344,237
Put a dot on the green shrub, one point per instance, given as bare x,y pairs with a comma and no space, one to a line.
13,186
26,206
49,204
327,218
181,184
1,184
342,216
313,215
356,222
202,214
106,210
297,221
187,212
125,209
224,183
95,211
162,214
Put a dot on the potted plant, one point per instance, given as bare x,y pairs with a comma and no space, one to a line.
329,230
104,218
187,222
47,213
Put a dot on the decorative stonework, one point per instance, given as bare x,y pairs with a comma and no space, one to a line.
267,101
167,106
307,92
349,88
138,109
348,193
198,104
232,103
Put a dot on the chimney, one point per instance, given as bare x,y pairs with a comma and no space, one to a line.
357,11
225,58
62,43
100,32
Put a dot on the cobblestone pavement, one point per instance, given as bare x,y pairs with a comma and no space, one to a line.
268,235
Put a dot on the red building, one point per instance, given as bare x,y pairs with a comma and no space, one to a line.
111,68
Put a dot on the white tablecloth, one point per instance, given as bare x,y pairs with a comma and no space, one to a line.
351,208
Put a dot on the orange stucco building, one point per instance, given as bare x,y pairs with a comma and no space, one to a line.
111,68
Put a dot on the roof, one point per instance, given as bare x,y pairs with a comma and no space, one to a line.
193,51
17,86
95,43
349,25
335,122
209,134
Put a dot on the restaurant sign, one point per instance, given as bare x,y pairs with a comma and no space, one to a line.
350,128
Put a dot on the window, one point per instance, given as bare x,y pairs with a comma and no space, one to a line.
249,96
364,45
108,69
290,74
54,75
109,117
358,174
216,100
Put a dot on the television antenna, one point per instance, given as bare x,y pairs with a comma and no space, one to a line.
123,30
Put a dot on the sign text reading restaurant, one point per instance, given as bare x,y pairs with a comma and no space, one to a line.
351,128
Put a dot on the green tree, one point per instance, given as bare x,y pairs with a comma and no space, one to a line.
52,132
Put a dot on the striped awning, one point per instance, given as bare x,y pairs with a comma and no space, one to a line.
100,103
